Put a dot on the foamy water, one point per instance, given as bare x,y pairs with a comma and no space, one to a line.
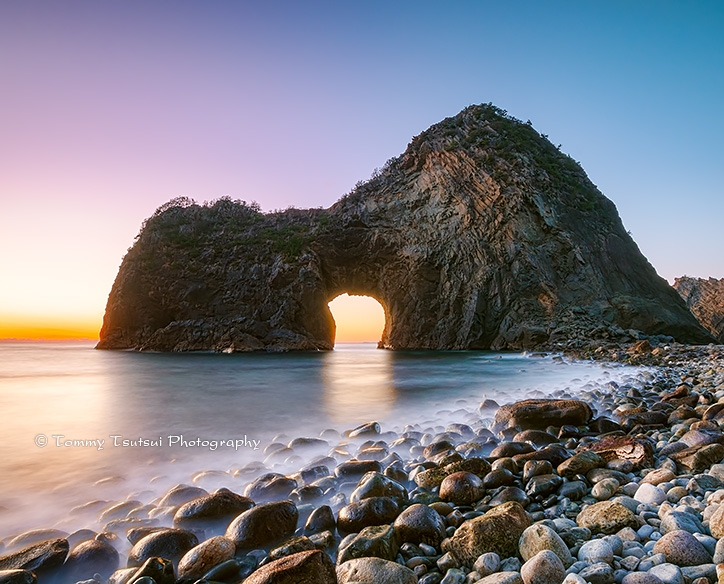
80,425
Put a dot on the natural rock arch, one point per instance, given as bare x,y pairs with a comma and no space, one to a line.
481,235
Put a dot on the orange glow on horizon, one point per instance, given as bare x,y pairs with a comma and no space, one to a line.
359,319
50,328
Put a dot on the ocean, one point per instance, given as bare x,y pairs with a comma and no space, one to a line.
82,425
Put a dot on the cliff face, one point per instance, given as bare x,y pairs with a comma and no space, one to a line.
705,299
480,235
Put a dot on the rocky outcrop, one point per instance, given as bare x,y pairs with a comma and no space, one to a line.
482,234
705,299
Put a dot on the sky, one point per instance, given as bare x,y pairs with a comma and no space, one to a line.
110,109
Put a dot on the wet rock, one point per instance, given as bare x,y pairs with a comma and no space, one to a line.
555,454
293,545
537,438
580,464
321,519
420,524
263,525
17,577
682,549
374,484
542,485
475,465
170,544
462,488
90,557
231,570
180,494
308,567
535,414
539,537
638,451
574,490
200,559
215,510
497,531
270,487
606,517
379,541
700,436
536,467
34,536
698,458
543,568
498,478
508,494
373,511
356,468
374,571
368,429
159,570
509,449
38,558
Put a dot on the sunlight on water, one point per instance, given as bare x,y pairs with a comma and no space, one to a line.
358,390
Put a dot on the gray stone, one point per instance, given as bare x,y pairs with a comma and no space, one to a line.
540,537
543,568
596,550
678,520
668,573
380,541
487,564
309,567
374,571
598,573
263,525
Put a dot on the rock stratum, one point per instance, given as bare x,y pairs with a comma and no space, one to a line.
705,299
482,234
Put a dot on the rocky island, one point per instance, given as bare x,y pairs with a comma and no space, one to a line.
482,234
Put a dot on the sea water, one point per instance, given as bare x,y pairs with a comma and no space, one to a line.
81,425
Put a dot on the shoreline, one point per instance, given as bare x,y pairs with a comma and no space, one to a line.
405,461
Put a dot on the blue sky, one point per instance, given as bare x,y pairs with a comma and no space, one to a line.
111,109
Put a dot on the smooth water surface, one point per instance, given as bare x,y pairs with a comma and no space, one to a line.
59,400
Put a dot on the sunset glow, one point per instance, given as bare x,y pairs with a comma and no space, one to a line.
359,319
50,327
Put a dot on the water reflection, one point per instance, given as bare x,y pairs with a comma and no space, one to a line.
357,389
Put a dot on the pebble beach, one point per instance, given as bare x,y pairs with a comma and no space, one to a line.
622,484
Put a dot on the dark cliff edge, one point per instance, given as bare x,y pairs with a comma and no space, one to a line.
705,299
482,234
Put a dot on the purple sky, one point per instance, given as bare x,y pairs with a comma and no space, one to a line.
111,109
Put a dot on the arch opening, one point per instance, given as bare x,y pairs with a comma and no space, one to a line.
358,319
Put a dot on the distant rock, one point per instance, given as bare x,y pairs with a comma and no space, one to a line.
705,299
482,234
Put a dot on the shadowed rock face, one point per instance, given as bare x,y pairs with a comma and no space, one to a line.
705,299
481,235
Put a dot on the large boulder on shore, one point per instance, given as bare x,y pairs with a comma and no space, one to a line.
482,234
498,531
538,414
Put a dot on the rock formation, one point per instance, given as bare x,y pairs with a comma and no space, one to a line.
705,299
482,234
